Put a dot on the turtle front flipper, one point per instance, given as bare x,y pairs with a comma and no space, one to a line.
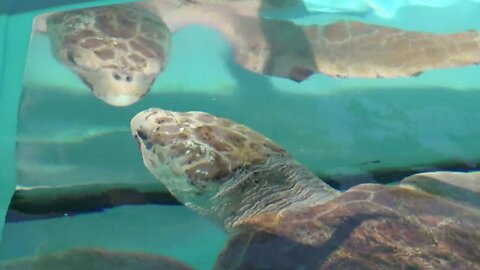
354,49
348,49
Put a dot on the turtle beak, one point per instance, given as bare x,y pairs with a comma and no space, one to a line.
117,87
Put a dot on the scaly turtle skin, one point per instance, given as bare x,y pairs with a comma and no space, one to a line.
119,50
280,216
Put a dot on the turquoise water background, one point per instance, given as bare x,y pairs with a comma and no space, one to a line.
16,24
341,125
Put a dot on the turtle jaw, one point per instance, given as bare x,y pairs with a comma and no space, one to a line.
117,87
112,83
153,156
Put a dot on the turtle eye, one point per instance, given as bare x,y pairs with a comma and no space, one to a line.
122,77
142,135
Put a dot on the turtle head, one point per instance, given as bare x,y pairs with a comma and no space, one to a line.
194,154
117,50
117,87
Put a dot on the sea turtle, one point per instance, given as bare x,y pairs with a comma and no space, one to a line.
95,259
279,215
119,50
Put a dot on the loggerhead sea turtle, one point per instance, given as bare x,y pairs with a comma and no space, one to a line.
94,259
119,50
279,215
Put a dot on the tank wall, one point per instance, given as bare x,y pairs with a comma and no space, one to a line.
16,37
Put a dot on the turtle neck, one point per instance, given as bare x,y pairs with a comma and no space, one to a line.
276,185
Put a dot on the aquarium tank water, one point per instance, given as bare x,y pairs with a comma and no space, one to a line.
324,134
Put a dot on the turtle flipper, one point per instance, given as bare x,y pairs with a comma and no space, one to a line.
344,49
40,22
354,49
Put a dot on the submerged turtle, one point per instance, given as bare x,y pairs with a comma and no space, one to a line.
119,50
95,259
279,215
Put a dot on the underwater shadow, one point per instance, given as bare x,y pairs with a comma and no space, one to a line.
287,39
57,202
452,192
266,250
362,236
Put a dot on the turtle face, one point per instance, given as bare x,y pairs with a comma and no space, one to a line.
117,50
194,153
117,87
110,78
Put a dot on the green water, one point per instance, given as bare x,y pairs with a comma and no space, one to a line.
16,24
55,133
169,230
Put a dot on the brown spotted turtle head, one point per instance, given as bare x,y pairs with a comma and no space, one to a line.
117,50
195,153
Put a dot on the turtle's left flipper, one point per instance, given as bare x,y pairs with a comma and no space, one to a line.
348,49
354,49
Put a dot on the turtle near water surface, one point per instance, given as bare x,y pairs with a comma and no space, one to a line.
94,259
119,50
279,215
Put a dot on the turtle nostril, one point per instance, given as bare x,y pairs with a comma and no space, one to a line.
122,77
142,135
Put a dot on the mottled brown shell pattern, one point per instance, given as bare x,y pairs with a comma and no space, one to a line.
121,36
